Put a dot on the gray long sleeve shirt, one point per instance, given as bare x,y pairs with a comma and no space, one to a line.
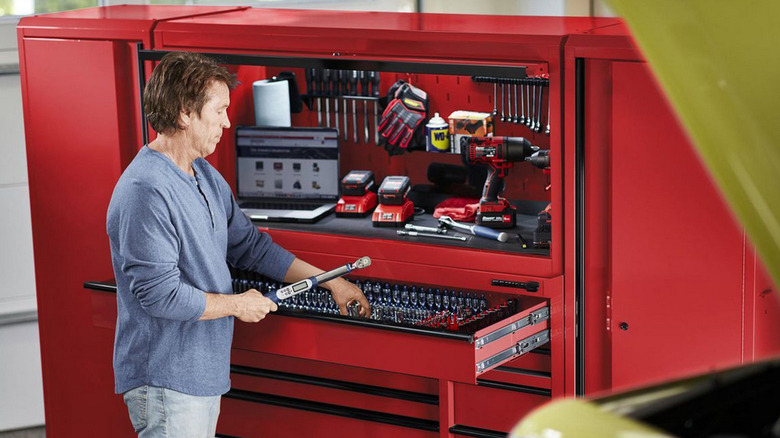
172,236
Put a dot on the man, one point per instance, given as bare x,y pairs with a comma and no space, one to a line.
174,226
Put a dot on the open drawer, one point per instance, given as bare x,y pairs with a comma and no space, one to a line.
394,340
461,354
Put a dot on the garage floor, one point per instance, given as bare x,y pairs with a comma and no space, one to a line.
36,432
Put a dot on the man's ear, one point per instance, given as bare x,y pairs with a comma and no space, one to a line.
185,118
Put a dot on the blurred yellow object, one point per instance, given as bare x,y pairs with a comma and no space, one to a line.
719,63
582,419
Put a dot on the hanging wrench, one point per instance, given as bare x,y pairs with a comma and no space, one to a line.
516,118
522,102
539,107
508,101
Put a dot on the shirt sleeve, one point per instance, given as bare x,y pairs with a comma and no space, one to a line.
250,249
149,246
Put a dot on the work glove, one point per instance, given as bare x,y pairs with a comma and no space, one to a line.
402,118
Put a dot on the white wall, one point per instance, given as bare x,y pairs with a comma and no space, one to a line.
21,389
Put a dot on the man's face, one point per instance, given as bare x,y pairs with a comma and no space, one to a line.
206,129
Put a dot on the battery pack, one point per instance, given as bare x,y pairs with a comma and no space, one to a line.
393,190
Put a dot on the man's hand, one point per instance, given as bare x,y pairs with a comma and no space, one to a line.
252,306
344,292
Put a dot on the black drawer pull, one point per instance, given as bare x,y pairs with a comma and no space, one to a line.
476,431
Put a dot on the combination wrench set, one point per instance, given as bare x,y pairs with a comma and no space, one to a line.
522,100
403,304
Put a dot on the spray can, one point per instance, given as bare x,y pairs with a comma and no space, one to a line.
437,137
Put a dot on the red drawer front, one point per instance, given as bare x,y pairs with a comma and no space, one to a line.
493,409
248,419
277,385
403,382
532,369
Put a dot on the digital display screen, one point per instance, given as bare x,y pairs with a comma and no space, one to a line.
293,163
300,286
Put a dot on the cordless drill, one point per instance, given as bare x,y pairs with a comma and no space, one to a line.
500,154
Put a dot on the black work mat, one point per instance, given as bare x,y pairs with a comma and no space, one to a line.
363,227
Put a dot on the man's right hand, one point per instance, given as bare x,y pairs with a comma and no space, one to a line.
252,306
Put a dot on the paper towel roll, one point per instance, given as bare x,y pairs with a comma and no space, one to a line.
272,103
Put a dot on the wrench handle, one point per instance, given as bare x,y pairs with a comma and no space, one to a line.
489,233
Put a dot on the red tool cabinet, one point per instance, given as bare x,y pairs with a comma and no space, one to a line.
648,276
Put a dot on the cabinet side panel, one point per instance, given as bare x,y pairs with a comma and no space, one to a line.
676,251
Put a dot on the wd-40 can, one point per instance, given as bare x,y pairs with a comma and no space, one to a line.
437,138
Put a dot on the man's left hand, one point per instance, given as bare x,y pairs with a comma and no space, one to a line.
344,292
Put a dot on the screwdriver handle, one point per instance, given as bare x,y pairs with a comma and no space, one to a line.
363,83
326,81
309,81
374,78
316,81
353,81
338,79
344,78
489,233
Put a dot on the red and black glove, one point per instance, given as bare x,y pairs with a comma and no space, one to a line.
403,115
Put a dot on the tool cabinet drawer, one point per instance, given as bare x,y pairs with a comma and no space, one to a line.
247,414
495,407
531,370
426,352
341,392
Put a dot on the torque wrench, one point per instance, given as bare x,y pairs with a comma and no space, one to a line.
435,236
477,230
312,282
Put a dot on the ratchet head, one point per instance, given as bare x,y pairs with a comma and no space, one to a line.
447,221
361,263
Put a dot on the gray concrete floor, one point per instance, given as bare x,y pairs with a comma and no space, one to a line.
35,432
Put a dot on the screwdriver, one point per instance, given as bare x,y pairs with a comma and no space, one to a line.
353,81
364,92
315,90
344,77
336,87
374,76
326,93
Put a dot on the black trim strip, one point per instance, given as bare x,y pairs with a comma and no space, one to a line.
579,276
109,286
103,286
544,351
220,435
379,391
139,47
525,372
507,71
516,388
331,409
476,431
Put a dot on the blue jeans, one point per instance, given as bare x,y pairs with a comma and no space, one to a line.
161,412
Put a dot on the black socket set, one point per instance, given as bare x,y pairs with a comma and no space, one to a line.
396,303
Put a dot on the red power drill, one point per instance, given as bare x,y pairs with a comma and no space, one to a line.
500,154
